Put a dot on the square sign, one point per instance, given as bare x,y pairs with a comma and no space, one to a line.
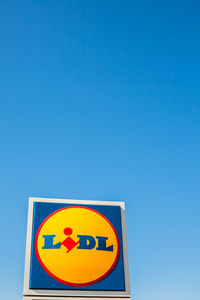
76,248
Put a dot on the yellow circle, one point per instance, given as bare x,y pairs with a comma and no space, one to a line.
78,267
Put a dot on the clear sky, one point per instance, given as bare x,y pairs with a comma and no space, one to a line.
100,100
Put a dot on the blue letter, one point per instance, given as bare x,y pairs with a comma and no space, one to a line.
102,244
86,242
48,242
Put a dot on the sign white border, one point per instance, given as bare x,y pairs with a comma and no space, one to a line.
74,293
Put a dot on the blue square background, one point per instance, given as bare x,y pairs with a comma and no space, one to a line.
39,279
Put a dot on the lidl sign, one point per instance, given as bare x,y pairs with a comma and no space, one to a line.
76,247
82,253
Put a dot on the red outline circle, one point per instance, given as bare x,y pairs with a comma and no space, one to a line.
66,282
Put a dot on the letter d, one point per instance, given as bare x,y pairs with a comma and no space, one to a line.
86,242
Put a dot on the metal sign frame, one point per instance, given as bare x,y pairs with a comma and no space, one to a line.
45,293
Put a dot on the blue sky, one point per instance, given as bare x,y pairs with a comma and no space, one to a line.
100,100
